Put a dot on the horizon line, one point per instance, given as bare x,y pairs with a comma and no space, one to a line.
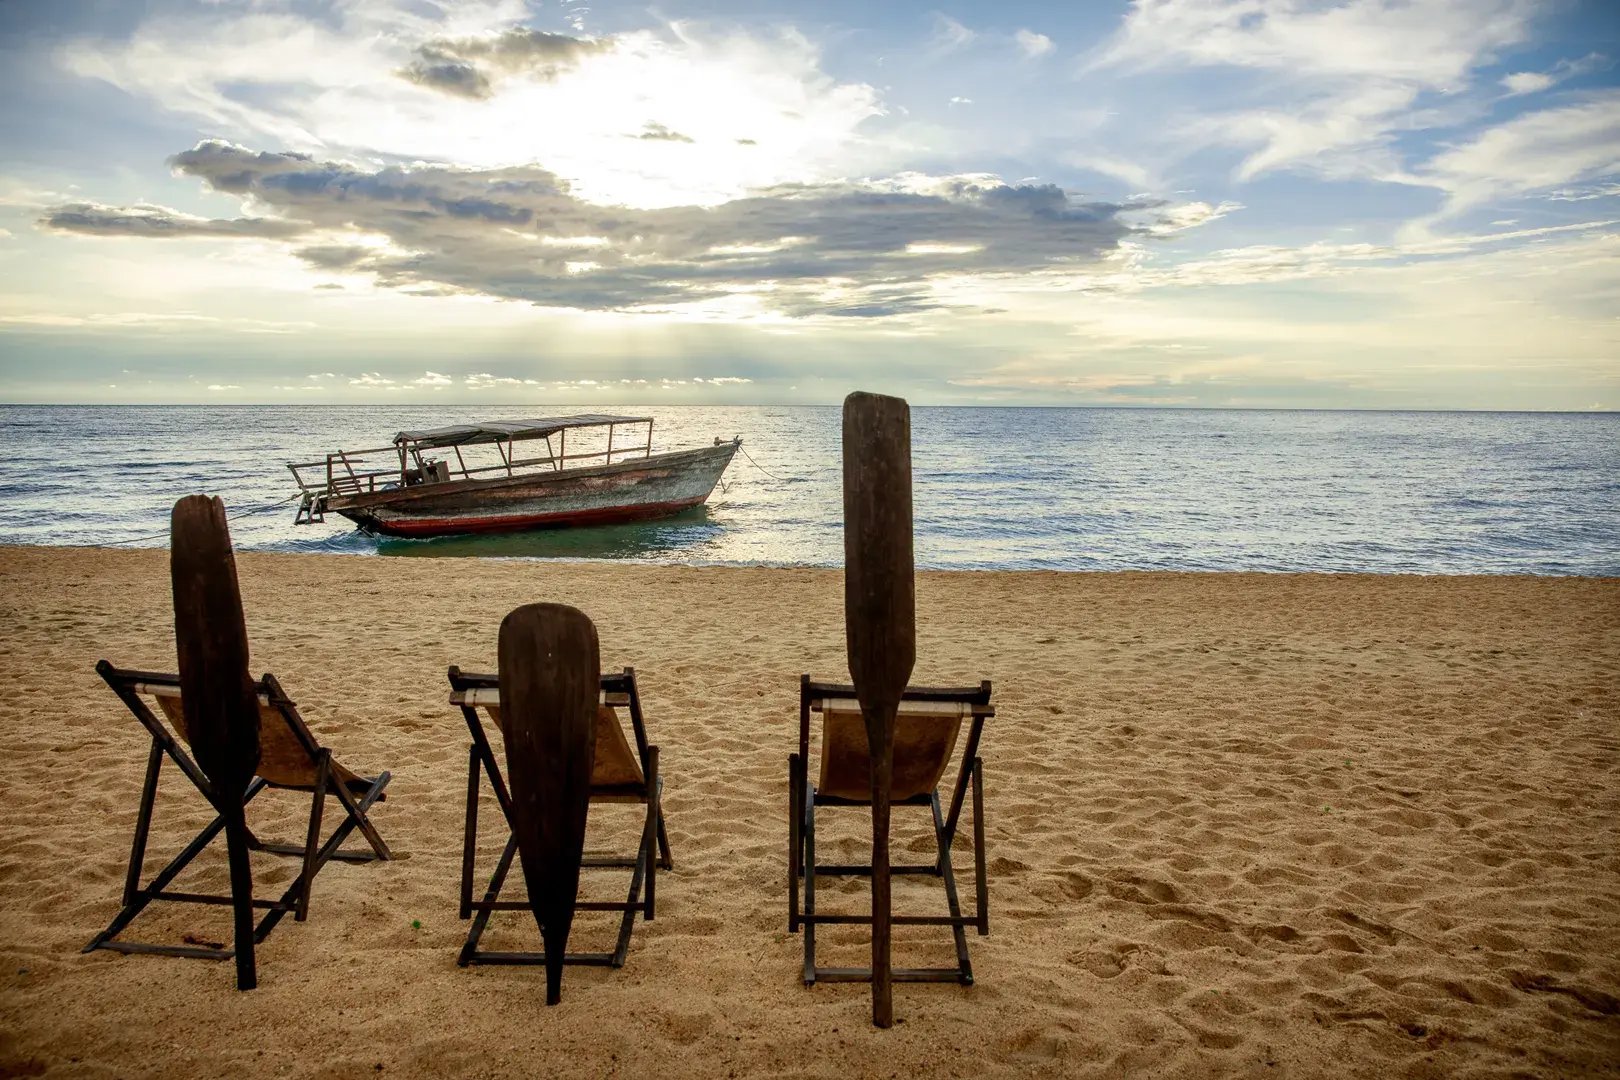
1592,411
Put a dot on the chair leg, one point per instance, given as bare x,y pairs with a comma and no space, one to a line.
312,840
144,896
469,835
481,920
794,843
981,881
664,861
164,876
952,902
655,786
646,862
327,851
644,867
809,884
357,812
143,823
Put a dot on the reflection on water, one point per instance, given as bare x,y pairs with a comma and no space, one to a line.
666,539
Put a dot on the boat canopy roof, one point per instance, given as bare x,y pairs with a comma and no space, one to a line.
507,430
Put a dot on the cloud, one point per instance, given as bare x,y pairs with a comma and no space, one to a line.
478,92
469,67
950,36
1527,82
1136,272
1340,134
1353,74
1094,377
333,256
224,386
94,219
432,378
484,381
371,378
1190,215
1137,176
1532,151
1032,43
857,249
121,319
157,321
1533,82
1425,43
449,76
660,133
1584,194
1413,323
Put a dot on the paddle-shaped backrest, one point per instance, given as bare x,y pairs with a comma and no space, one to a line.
549,678
210,637
879,619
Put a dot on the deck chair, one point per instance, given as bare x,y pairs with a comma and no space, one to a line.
619,775
289,758
926,730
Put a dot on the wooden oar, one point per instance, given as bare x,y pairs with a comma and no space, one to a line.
222,709
880,621
550,676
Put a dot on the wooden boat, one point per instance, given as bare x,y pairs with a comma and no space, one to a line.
419,493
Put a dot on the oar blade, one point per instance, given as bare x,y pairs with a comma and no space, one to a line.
879,579
549,677
210,634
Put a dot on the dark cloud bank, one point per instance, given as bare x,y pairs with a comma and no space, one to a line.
469,67
93,219
518,233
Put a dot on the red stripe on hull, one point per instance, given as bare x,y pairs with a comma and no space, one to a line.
419,528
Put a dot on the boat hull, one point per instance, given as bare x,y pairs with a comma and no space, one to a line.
637,490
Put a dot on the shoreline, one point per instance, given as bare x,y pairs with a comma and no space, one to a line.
563,560
1297,824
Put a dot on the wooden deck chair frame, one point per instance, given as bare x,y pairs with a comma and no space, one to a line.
803,799
328,779
471,691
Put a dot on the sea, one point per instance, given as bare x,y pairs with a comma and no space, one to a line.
994,488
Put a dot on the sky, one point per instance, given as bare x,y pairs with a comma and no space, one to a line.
1409,204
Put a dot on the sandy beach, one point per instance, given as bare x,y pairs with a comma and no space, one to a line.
1238,824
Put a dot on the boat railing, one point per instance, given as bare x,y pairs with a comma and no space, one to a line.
510,466
346,472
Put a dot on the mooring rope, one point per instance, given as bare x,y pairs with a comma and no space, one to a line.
761,468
